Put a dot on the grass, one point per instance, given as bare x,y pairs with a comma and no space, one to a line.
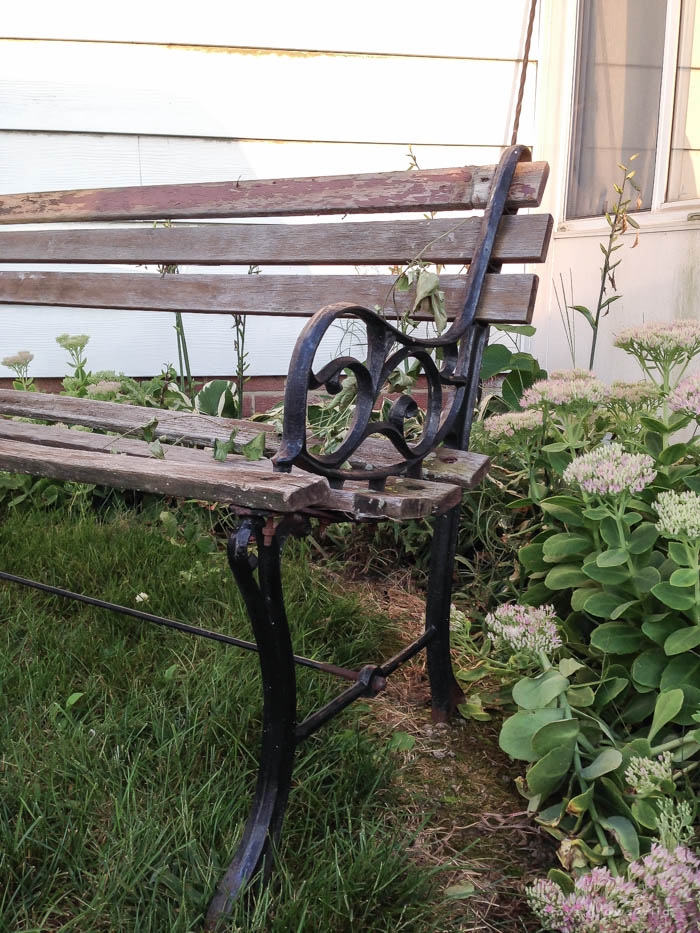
128,753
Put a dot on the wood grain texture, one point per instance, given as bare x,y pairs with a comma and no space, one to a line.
463,188
461,468
252,485
401,499
505,298
520,239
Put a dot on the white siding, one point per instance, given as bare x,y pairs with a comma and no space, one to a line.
95,113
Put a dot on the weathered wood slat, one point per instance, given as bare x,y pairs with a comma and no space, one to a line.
505,298
461,468
520,239
423,190
251,485
402,498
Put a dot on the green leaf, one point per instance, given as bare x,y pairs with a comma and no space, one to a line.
645,814
617,638
536,692
156,449
495,359
526,330
625,834
684,577
684,639
673,597
612,557
73,699
667,706
554,735
681,669
653,424
579,804
427,283
602,605
677,553
536,595
608,690
566,544
548,773
610,533
659,627
580,697
564,508
584,312
530,556
569,666
560,878
642,538
648,667
217,399
459,891
254,449
581,595
608,760
611,576
517,731
565,576
646,579
693,483
401,742
672,454
596,514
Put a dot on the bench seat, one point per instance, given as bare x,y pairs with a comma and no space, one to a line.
191,472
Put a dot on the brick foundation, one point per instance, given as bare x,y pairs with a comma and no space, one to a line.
261,392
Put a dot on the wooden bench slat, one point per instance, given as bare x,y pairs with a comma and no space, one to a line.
520,239
251,485
402,498
448,189
505,298
461,468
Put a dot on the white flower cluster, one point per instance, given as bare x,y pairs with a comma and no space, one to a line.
679,514
675,339
21,359
513,422
645,774
568,388
525,628
104,388
610,470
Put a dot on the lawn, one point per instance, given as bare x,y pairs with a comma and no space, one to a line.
128,753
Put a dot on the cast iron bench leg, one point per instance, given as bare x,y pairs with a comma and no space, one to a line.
445,692
265,604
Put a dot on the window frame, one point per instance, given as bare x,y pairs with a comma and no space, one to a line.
663,214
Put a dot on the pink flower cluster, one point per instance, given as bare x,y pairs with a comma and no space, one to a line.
525,628
661,339
512,422
633,393
610,470
661,894
686,396
568,388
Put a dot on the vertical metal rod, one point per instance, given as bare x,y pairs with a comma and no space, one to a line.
445,692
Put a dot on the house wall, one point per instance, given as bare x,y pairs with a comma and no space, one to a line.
659,278
156,95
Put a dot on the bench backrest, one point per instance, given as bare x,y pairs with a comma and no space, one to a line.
507,299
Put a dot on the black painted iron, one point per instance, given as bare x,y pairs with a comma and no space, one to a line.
449,385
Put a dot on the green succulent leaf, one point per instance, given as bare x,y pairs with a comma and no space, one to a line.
617,638
685,639
608,760
517,731
672,596
667,706
536,692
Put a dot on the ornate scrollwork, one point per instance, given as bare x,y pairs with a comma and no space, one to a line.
451,385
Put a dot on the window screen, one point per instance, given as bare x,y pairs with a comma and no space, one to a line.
616,99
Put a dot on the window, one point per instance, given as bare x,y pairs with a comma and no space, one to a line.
617,96
684,165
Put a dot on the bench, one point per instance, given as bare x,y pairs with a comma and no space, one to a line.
374,474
